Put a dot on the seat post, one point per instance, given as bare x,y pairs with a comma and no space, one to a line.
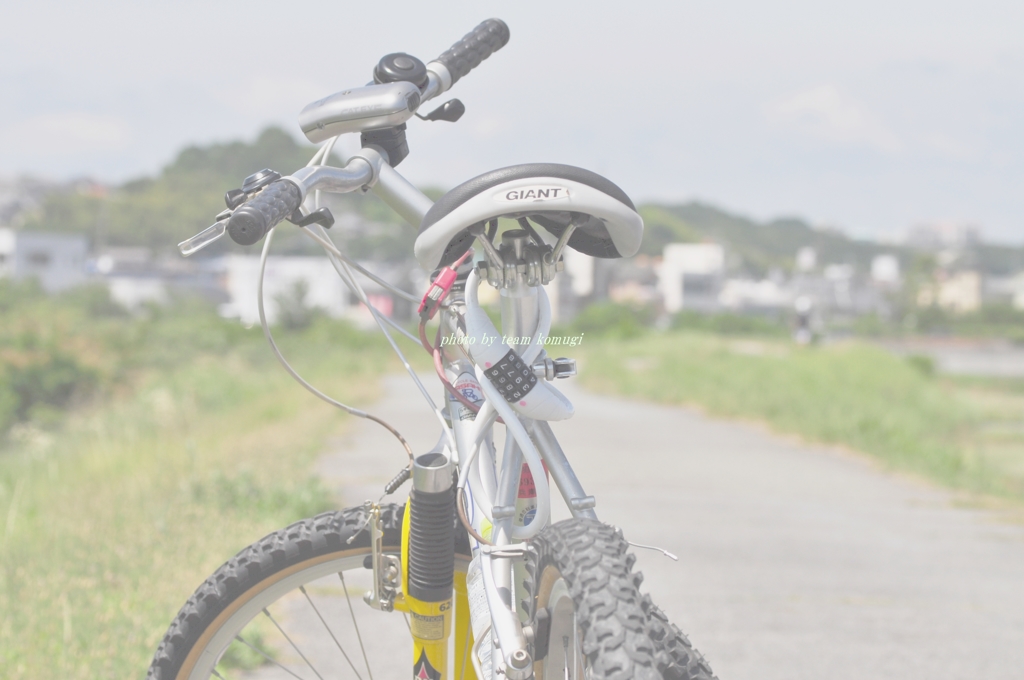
519,306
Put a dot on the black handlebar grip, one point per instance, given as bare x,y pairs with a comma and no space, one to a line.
251,222
483,41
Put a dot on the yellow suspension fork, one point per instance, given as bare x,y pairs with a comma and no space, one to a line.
464,669
462,662
434,593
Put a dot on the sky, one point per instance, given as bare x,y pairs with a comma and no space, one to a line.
869,117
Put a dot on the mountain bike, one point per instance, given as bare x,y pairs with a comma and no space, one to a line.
468,579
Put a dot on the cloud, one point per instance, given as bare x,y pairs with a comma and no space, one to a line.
51,134
271,95
828,114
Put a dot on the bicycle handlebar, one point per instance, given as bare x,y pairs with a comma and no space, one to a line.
249,223
483,41
279,200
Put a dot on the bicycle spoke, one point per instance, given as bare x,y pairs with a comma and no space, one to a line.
294,646
269,658
355,623
330,632
218,674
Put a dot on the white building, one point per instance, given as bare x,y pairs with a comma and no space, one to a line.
806,259
690,275
885,270
56,261
958,292
240,276
132,278
1005,290
748,295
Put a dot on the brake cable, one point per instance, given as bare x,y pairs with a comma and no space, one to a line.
292,372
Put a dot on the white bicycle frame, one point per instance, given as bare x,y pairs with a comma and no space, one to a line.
469,441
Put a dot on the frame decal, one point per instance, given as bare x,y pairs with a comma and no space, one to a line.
423,670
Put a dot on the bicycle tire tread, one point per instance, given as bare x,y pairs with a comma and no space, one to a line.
624,634
676,658
320,535
593,559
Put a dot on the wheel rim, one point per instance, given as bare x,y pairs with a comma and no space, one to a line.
565,659
316,626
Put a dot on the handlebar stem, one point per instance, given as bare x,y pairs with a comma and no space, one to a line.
368,167
357,172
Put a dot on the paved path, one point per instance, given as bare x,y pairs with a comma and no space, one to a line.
795,562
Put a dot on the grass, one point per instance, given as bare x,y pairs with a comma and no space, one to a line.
109,522
968,434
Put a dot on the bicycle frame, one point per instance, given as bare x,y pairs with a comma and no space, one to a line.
486,381
491,493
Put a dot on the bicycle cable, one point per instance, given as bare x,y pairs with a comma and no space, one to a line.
320,158
292,372
345,273
341,265
328,245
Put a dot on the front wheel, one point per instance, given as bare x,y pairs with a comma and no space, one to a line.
293,601
588,617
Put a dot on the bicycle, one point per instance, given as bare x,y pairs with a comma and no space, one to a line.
484,584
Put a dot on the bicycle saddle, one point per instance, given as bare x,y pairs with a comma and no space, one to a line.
550,194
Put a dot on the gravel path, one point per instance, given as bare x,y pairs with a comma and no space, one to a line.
795,562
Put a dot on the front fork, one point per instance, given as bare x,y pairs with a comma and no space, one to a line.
433,611
430,621
424,583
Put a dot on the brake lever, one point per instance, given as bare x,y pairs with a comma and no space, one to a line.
207,236
323,217
450,111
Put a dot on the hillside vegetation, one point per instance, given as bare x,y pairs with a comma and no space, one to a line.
761,246
158,212
183,199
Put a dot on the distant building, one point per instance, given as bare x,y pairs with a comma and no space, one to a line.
133,279
56,261
943,236
840,280
690,276
758,297
634,282
957,292
579,268
239,276
1005,290
311,282
885,270
837,292
806,259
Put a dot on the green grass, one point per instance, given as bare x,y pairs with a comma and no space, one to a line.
966,434
109,521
